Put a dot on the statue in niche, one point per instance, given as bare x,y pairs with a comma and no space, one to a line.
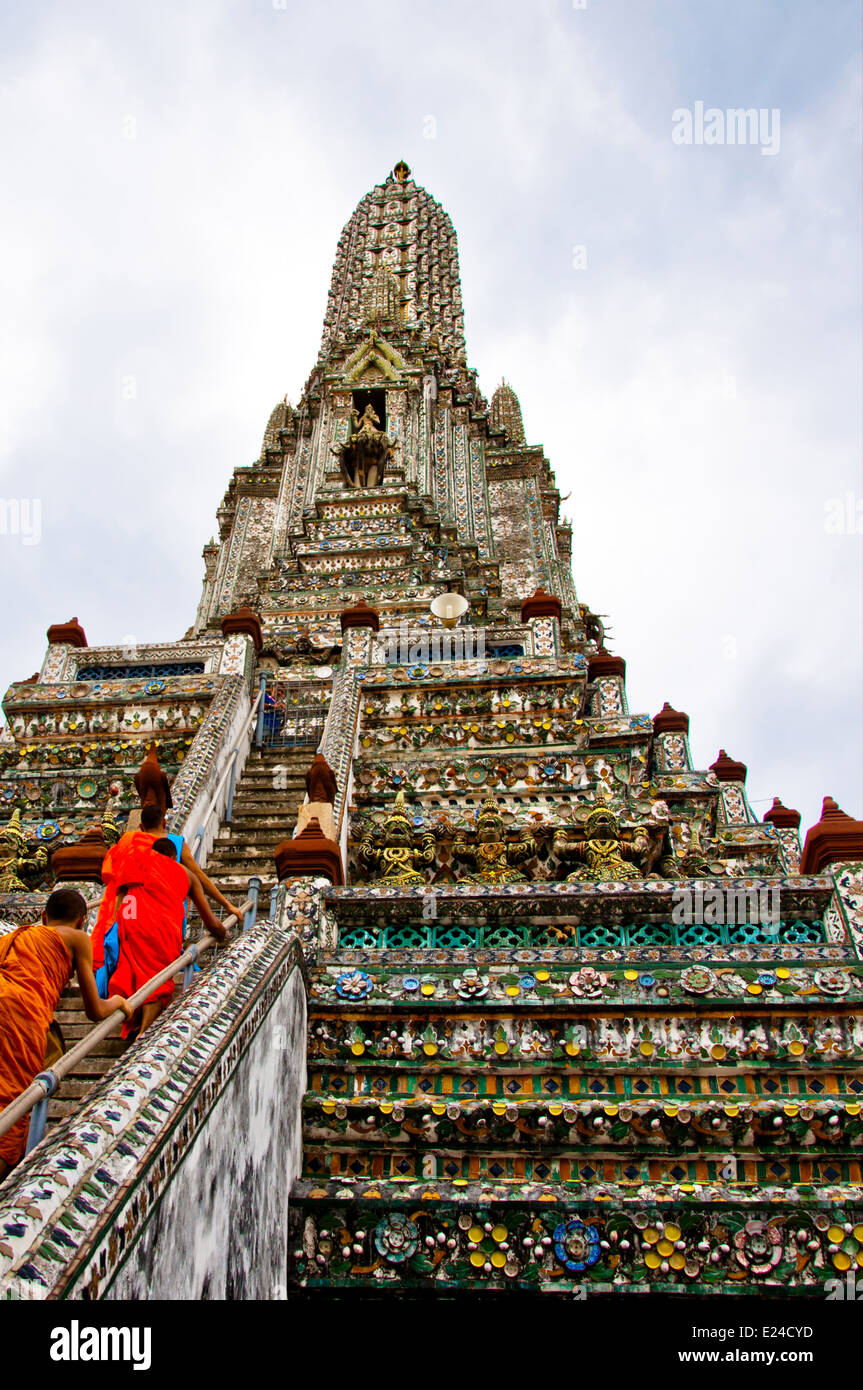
691,863
364,455
605,857
493,856
399,860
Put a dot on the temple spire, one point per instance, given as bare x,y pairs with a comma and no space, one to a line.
396,260
506,414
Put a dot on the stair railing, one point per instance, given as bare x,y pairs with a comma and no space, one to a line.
229,771
261,703
254,890
35,1098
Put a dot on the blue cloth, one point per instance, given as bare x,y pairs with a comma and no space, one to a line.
177,842
273,716
112,956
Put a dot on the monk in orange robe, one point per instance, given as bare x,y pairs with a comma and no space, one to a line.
152,828
109,906
152,893
35,965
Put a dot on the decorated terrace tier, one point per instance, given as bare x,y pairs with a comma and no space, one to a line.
553,1088
77,732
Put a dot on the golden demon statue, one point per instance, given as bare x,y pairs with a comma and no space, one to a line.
492,855
18,860
603,853
398,859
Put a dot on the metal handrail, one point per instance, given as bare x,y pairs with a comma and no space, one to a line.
229,770
47,1081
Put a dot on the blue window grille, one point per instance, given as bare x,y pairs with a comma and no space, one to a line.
140,671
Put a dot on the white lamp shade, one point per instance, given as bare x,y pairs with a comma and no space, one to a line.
449,608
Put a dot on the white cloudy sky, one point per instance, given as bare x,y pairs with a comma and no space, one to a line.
175,178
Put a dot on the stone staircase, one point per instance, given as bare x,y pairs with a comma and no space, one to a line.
75,1025
266,803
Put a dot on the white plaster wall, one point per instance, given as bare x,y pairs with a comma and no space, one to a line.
237,733
220,1230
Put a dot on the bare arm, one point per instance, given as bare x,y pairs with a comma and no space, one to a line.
207,916
94,1007
197,873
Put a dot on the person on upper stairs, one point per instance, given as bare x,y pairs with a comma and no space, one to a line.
152,894
106,931
36,962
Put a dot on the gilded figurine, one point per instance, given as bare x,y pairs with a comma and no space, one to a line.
18,861
493,856
399,860
110,828
605,857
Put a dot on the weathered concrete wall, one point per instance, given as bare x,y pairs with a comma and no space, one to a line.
514,541
220,1230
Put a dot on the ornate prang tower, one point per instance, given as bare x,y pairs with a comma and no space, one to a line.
466,501
577,1020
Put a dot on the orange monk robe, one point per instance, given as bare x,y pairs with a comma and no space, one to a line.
34,969
150,921
131,839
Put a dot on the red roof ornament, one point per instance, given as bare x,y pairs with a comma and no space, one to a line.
670,721
152,784
541,605
321,782
727,770
82,861
360,615
244,620
308,854
783,817
835,839
69,634
604,664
